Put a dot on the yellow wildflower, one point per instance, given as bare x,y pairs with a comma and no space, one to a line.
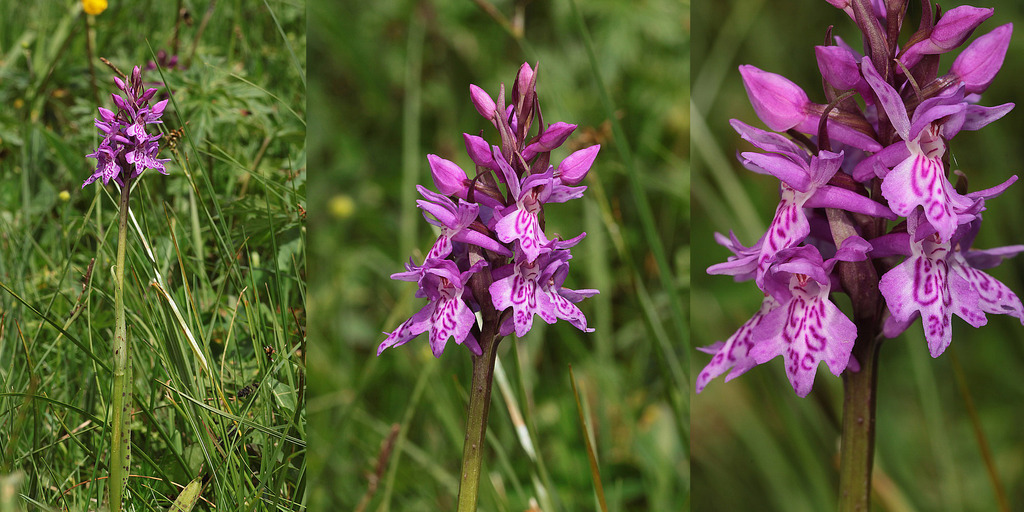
94,6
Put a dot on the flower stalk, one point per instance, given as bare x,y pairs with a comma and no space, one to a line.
857,449
476,419
121,395
125,152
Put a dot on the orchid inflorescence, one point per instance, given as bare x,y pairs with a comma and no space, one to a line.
492,255
127,149
863,184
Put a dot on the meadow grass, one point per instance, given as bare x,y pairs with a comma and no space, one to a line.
393,86
756,446
216,257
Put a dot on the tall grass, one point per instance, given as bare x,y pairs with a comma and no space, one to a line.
755,444
393,87
215,265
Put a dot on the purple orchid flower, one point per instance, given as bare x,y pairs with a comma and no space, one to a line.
497,217
520,221
454,223
806,328
952,30
127,149
446,315
940,279
535,288
919,179
783,105
805,181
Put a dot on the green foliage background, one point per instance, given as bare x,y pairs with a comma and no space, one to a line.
391,86
756,446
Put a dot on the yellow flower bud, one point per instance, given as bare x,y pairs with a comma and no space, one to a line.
94,6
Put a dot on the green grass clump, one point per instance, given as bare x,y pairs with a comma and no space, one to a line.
215,262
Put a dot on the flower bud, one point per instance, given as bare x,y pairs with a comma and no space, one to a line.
448,177
552,138
778,102
950,32
480,151
977,65
524,77
482,101
838,67
574,168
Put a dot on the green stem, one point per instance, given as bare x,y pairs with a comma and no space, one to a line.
857,451
476,422
120,434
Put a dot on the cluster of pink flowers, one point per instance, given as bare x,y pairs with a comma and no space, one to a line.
492,252
127,149
880,165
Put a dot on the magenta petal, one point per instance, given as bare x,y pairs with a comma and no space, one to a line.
841,133
474,237
888,98
788,228
568,311
480,152
785,169
838,67
993,296
955,26
552,138
920,180
519,292
979,116
989,258
924,284
879,163
523,226
734,353
451,318
473,344
835,197
409,329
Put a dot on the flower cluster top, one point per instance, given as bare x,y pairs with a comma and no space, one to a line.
126,149
864,179
492,255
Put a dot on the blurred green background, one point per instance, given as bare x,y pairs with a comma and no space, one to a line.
756,445
390,84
